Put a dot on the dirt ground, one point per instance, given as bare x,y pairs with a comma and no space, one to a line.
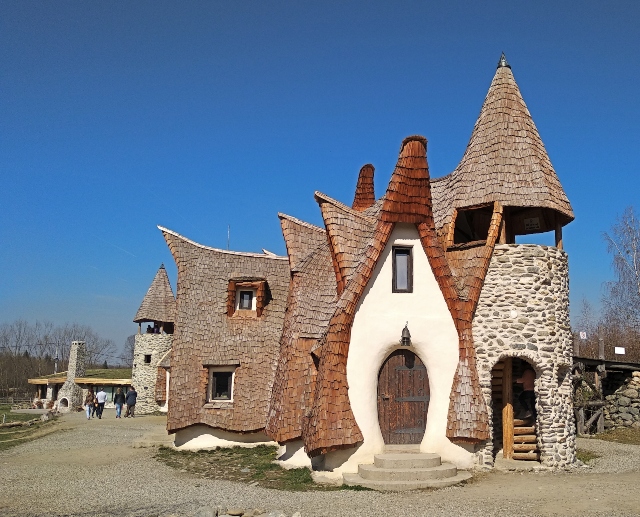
91,468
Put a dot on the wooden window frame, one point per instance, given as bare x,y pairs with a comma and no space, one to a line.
260,298
211,384
252,295
394,287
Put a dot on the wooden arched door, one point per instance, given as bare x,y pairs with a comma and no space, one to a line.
403,398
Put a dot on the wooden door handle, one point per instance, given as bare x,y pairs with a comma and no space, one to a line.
385,397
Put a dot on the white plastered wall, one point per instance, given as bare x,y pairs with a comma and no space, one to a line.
202,436
380,318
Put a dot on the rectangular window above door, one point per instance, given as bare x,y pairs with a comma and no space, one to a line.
402,269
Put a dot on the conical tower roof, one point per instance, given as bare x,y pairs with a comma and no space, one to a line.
505,159
159,303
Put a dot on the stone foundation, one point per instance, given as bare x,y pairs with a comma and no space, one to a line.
523,312
143,374
623,407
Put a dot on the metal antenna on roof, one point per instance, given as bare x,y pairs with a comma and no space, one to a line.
503,62
228,235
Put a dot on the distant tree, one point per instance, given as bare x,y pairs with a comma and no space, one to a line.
27,350
105,366
127,355
587,320
622,296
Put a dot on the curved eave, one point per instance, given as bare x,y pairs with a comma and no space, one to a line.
225,252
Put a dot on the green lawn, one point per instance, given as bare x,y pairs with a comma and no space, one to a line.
249,465
10,436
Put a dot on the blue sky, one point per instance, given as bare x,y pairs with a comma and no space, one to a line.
119,116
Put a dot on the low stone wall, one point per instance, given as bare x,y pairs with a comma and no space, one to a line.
623,407
143,374
523,312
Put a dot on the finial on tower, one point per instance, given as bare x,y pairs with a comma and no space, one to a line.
503,62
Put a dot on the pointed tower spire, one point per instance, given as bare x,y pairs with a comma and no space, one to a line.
503,62
365,195
408,197
158,304
505,159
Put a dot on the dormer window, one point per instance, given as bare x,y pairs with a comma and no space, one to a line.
247,297
402,269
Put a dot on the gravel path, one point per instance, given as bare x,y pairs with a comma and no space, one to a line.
90,468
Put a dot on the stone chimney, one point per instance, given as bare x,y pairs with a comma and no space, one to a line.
77,357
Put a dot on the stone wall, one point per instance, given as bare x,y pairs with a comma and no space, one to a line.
144,375
523,312
623,407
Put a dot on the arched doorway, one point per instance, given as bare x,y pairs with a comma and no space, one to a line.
514,435
403,398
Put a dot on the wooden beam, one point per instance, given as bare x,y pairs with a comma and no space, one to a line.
580,420
559,236
524,430
593,418
525,456
525,447
507,409
503,231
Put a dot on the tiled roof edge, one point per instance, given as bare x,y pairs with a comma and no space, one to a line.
320,197
228,252
300,222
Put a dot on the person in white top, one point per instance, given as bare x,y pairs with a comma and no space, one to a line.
102,398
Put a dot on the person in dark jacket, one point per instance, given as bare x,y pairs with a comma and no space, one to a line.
130,399
118,400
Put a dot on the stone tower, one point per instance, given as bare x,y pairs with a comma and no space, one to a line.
153,344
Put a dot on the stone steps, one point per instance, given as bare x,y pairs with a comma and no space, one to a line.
405,469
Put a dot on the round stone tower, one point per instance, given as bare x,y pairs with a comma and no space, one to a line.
153,345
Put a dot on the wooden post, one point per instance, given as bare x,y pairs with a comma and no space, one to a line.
600,345
507,409
600,424
503,231
580,420
558,236
597,379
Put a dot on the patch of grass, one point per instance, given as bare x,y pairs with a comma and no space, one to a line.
586,456
242,464
621,435
12,436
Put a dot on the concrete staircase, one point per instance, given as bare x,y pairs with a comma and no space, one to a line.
402,468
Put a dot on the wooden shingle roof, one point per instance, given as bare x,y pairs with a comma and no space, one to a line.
206,335
365,195
505,159
159,303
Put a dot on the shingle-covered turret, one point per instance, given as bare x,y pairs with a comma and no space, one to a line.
159,303
505,159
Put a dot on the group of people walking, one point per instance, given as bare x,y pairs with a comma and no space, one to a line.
94,402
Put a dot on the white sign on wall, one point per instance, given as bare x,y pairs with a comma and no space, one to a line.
583,335
619,350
